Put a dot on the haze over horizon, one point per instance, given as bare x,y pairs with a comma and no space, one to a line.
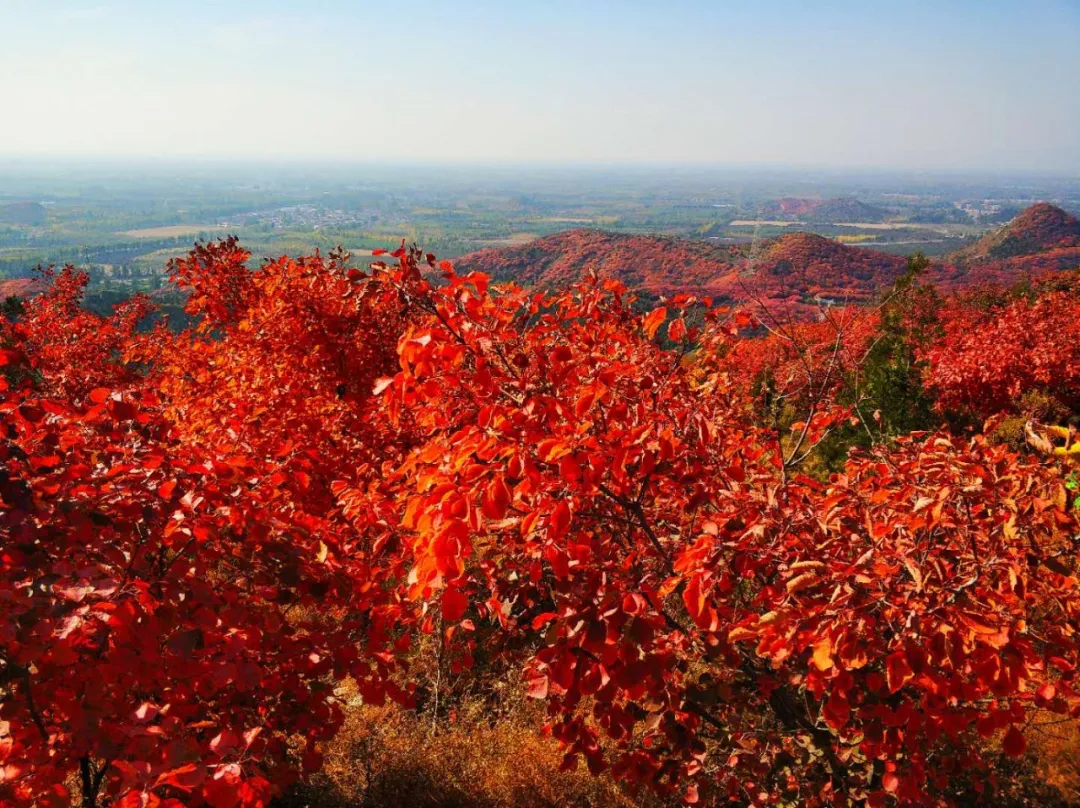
975,86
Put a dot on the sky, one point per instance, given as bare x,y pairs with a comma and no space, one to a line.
920,85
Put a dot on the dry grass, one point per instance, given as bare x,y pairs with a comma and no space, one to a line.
386,757
1048,776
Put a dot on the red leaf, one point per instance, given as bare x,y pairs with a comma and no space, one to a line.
676,330
559,521
1014,742
1046,693
187,778
454,604
897,671
312,760
225,742
837,711
542,620
496,499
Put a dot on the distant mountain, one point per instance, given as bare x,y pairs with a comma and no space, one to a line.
823,211
653,264
796,272
1042,239
26,213
1040,228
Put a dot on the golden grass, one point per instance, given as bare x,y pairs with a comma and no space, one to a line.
387,757
481,751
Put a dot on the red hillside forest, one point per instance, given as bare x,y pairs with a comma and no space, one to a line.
810,541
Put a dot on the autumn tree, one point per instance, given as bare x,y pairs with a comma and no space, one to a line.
205,531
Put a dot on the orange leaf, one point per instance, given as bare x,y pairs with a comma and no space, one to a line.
890,782
653,321
823,654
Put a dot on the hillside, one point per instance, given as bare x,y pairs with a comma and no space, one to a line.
26,213
792,270
795,272
1037,229
652,264
21,287
1043,238
806,265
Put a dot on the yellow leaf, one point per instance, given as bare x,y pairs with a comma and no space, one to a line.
801,581
823,654
323,551
741,633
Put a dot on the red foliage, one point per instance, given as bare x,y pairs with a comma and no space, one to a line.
1042,240
954,277
20,287
810,269
795,364
787,275
166,535
654,264
202,531
821,210
987,359
791,276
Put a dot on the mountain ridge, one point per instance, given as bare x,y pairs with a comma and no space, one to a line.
796,272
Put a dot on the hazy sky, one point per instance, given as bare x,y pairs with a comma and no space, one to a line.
941,84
